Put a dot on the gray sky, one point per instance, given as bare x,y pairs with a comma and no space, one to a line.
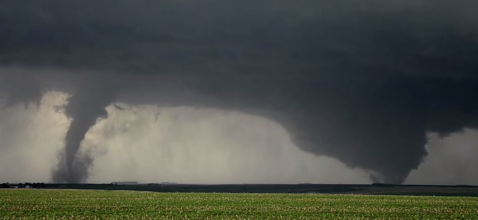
360,82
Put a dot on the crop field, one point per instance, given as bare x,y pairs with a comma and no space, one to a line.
91,204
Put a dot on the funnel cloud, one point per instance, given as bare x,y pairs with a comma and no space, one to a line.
84,109
362,82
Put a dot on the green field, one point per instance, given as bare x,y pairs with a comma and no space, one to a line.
87,204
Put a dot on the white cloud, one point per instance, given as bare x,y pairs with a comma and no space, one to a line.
31,137
451,160
191,145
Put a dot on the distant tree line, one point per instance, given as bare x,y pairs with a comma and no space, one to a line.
24,185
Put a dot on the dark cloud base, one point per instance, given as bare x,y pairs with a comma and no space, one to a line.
359,81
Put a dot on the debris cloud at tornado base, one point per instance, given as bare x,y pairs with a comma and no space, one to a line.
360,82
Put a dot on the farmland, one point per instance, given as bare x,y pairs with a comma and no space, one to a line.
361,189
81,204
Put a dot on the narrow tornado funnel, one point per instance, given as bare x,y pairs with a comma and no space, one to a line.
84,109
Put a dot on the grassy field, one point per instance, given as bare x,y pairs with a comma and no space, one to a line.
87,204
361,189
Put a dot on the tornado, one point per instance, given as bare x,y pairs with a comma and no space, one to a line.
84,109
359,81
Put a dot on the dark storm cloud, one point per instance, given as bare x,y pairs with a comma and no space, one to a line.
361,81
